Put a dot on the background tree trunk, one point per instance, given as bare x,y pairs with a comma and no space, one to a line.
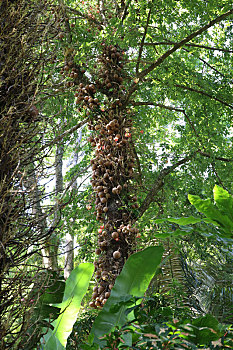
55,241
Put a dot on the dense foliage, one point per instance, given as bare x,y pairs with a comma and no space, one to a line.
111,113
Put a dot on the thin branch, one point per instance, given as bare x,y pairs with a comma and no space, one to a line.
183,42
159,183
216,174
70,184
206,63
208,155
138,162
170,108
125,11
176,46
117,8
204,94
142,41
67,25
192,125
102,14
190,45
178,109
83,15
64,134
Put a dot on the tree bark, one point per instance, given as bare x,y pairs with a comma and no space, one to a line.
55,240
69,255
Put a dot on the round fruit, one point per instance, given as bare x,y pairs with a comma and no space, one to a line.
115,235
117,254
94,295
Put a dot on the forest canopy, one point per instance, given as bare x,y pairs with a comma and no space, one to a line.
115,174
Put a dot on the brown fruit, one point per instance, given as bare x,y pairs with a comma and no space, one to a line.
115,235
95,295
100,289
116,254
92,304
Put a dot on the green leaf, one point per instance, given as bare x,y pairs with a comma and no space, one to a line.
75,289
52,343
206,329
53,295
206,207
184,221
133,280
171,234
180,221
224,201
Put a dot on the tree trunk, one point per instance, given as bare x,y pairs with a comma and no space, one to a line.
69,240
69,255
55,241
21,33
113,171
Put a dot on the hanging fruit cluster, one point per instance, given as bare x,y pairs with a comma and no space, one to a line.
112,170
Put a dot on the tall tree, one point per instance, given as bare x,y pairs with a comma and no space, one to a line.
23,52
140,73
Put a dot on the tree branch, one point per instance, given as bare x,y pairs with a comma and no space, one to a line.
190,45
208,155
64,134
216,174
204,94
142,41
138,162
176,46
183,42
158,184
125,11
83,15
170,108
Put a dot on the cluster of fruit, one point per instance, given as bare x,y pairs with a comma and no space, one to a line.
72,71
112,170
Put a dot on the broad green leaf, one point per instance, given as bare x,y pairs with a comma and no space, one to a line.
133,280
53,295
51,342
43,312
206,329
75,289
206,207
224,201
